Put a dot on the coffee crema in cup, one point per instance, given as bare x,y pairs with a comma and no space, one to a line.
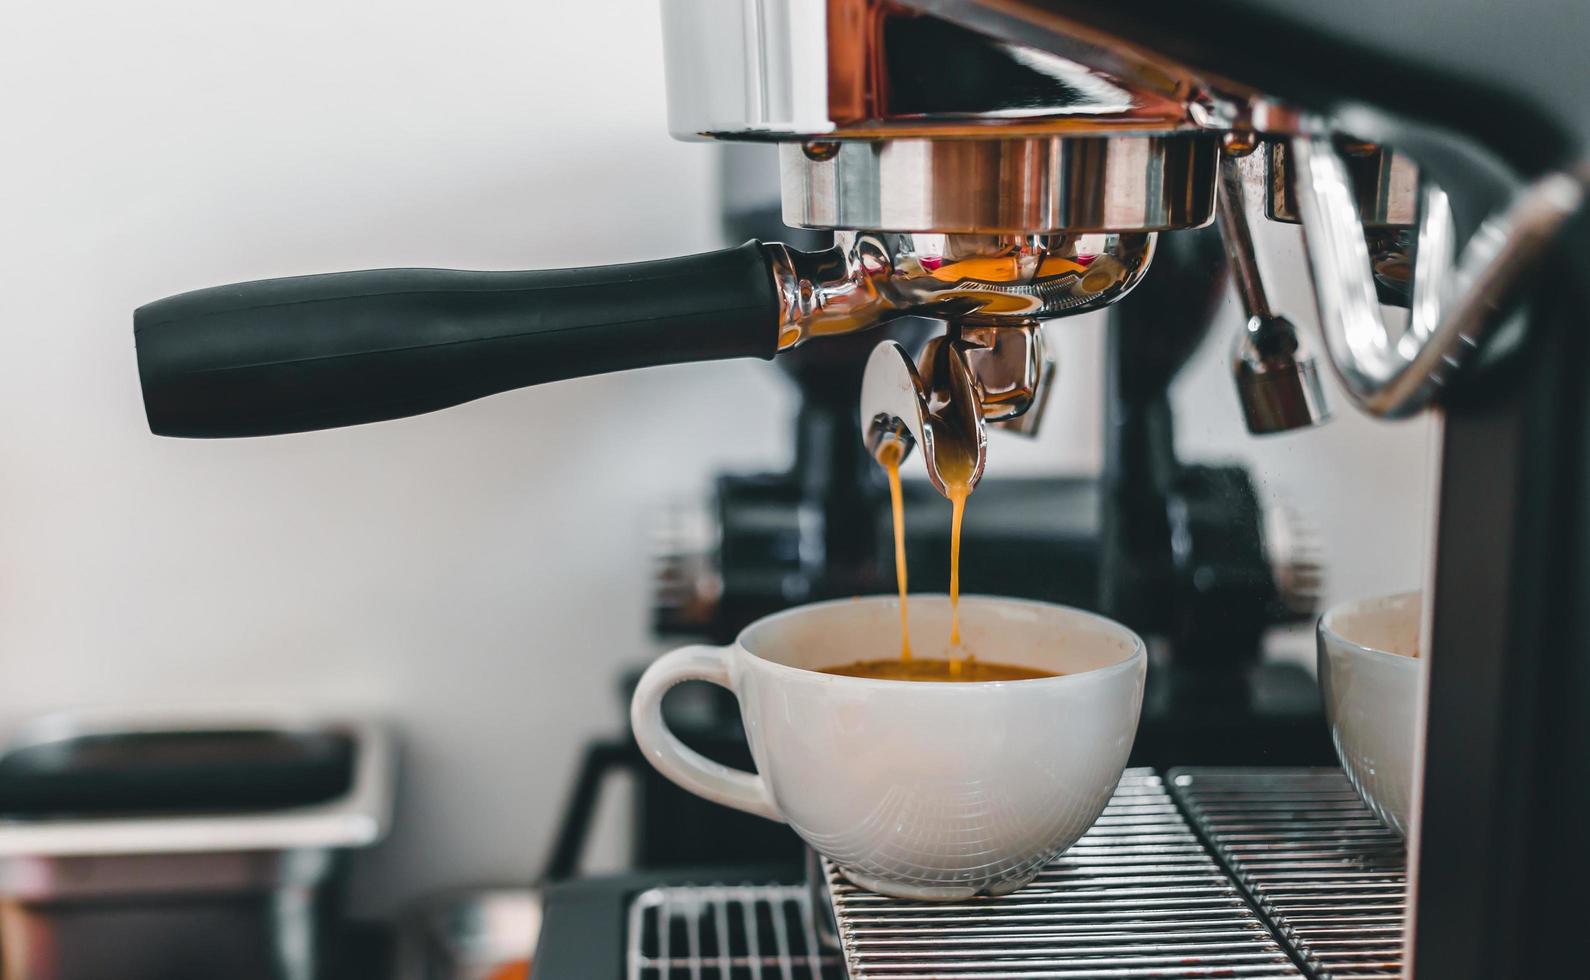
925,794
967,670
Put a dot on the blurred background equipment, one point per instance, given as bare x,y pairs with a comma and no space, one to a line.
471,934
182,845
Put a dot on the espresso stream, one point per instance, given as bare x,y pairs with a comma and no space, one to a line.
956,464
891,462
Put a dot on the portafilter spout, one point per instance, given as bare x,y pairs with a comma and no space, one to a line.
936,407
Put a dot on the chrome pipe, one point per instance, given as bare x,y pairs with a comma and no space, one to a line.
1278,382
1457,300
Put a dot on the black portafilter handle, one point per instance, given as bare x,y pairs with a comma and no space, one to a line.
318,352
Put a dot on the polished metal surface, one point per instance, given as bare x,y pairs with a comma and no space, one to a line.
975,375
1006,363
1137,896
1030,421
745,68
1050,133
1236,231
726,932
1456,300
1278,382
1328,876
1015,186
871,277
1385,185
903,406
798,69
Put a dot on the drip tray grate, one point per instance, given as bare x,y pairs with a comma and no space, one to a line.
1140,895
727,932
1137,896
1329,877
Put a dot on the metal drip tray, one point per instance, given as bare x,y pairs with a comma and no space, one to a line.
1137,896
1328,876
1242,873
727,932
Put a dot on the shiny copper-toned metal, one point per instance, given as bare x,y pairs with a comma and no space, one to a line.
881,53
871,277
1006,362
1008,365
974,375
1385,184
1018,186
868,69
904,405
854,32
1238,142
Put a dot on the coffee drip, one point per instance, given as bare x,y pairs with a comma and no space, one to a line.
890,459
948,416
958,491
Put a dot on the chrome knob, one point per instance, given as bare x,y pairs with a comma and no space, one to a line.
1278,382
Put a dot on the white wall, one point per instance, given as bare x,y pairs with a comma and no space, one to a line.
478,575
1366,484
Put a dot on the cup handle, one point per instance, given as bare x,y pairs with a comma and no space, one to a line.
683,765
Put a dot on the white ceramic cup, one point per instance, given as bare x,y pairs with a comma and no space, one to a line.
918,790
1372,683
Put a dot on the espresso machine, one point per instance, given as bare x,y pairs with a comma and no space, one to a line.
1200,556
985,166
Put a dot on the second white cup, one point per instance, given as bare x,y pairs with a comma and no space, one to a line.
1373,682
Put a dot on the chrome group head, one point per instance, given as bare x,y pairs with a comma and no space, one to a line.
1033,188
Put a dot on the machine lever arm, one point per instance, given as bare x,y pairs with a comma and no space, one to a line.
319,352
